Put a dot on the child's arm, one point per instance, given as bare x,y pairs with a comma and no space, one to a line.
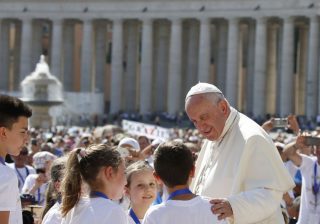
41,179
4,217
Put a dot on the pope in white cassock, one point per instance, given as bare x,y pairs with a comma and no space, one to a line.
238,166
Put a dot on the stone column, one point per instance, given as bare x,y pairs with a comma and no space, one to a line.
4,55
259,74
37,29
249,74
116,66
204,50
174,82
286,93
26,54
271,97
15,85
68,56
311,97
130,81
100,56
232,62
193,52
222,55
86,57
242,57
279,48
301,76
146,66
56,47
161,66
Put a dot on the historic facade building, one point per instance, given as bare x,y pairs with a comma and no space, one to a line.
144,55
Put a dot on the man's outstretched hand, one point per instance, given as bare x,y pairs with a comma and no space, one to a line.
221,208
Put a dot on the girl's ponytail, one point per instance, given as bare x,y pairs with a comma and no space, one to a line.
71,183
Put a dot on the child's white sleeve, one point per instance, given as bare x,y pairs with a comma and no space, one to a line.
8,190
148,218
118,216
148,221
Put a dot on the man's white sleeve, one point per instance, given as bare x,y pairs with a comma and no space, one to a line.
261,182
255,205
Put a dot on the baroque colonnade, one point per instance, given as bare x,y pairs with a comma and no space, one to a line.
264,64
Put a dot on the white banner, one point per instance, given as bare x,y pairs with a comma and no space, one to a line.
151,131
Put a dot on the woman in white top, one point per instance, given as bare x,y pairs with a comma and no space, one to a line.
103,170
51,212
36,184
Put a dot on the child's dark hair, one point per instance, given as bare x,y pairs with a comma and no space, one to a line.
173,163
136,167
85,164
57,172
11,108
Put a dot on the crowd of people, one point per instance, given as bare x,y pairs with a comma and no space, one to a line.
228,169
163,119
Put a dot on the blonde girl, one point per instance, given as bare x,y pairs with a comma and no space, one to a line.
103,170
141,189
51,213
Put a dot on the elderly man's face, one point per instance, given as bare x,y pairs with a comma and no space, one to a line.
207,117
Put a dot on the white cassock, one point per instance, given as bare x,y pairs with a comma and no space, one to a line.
243,166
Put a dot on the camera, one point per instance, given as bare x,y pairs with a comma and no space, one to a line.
27,199
280,122
310,140
40,171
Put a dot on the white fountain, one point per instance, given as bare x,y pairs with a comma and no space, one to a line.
41,90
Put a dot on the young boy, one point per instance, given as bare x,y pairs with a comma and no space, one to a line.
14,116
174,167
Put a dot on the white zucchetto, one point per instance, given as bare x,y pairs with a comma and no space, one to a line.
130,142
201,88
